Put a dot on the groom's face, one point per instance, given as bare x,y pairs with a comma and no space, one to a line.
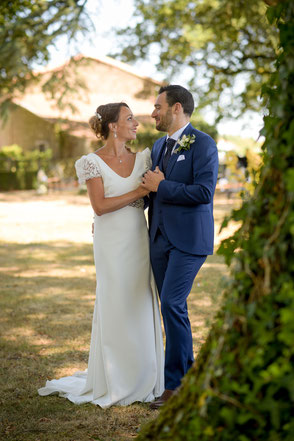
162,113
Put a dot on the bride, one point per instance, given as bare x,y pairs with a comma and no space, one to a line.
126,351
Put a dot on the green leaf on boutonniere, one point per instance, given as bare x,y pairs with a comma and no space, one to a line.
185,142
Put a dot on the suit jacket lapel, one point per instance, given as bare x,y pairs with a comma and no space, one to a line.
174,156
158,155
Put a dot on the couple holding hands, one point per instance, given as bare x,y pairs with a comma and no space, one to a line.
126,361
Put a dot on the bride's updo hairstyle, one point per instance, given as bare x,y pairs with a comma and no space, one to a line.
105,114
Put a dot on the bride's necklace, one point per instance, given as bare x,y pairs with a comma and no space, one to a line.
116,156
119,159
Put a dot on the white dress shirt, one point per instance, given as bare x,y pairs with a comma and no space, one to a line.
176,136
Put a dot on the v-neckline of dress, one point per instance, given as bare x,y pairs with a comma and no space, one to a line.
122,177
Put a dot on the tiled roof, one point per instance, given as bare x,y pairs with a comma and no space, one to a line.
107,80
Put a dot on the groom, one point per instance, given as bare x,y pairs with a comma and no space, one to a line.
182,183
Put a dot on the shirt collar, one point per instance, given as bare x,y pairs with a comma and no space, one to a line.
176,135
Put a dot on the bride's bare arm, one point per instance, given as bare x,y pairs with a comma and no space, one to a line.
102,205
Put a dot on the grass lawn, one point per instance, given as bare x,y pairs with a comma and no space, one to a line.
47,296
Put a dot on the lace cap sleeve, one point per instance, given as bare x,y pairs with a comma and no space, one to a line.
87,168
147,159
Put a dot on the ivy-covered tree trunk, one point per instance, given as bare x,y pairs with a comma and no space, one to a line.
241,387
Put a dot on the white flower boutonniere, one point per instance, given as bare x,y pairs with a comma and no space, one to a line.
185,142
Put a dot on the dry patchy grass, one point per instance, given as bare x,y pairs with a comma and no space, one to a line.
46,304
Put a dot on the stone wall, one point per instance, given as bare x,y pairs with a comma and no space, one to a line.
28,131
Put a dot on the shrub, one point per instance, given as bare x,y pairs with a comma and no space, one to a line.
18,169
147,135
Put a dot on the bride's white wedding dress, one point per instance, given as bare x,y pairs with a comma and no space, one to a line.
126,360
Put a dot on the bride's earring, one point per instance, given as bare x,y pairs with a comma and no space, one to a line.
115,135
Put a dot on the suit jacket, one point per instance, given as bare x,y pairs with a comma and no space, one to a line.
184,200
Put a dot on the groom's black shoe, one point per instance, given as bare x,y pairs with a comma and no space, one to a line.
161,400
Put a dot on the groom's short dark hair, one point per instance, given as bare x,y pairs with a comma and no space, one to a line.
178,94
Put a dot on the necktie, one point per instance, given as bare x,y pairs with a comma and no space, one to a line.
169,146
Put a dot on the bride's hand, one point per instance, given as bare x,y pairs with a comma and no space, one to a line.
142,191
152,179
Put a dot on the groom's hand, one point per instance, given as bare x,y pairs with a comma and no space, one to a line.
151,179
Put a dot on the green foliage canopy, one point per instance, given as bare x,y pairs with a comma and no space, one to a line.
241,387
226,47
28,28
147,134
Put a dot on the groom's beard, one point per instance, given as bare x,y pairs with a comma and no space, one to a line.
165,121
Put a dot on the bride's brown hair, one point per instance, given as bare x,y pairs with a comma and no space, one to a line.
105,114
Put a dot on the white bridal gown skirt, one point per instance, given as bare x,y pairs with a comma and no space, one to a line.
126,360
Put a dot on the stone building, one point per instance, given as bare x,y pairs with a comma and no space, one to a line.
28,130
35,121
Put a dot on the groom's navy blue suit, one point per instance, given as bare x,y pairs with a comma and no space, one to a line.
181,236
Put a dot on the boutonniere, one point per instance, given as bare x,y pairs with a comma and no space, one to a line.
185,142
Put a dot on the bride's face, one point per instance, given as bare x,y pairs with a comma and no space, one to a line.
126,126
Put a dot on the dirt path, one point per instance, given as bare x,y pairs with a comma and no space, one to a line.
26,217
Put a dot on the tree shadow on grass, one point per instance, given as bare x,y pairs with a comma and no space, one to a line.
205,298
45,318
46,305
22,256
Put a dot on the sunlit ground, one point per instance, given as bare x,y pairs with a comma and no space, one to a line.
47,295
